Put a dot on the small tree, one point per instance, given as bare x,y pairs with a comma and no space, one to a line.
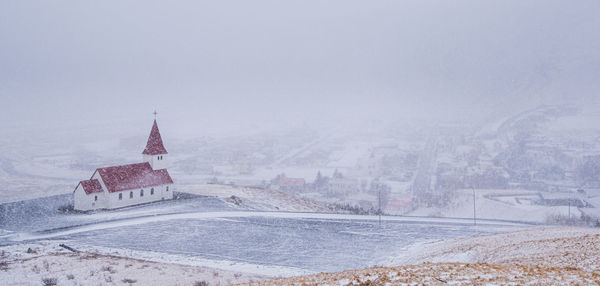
337,174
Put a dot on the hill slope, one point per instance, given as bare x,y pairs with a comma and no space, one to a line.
547,255
256,198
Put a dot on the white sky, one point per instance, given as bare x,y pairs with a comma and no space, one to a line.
232,63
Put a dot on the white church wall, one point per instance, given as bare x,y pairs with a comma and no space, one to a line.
168,192
80,200
103,201
156,161
86,202
160,193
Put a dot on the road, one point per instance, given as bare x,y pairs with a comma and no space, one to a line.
421,186
298,151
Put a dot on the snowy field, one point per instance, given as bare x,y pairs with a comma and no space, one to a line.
500,204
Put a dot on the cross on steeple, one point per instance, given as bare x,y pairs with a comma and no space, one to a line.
155,113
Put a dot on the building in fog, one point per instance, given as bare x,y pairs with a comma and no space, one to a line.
127,185
342,187
290,185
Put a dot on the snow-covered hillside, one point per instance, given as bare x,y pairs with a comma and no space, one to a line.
515,205
36,263
256,198
537,256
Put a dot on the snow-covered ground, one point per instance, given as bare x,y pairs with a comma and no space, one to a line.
547,246
536,256
31,263
256,198
498,204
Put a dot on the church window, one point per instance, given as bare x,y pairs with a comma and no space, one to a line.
131,195
120,196
167,188
95,198
141,192
152,191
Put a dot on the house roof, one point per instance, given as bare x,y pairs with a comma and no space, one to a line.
399,203
154,146
133,176
291,182
91,186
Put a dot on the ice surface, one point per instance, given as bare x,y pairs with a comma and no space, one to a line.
207,228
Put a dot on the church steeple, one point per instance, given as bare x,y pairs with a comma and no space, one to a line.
155,144
155,152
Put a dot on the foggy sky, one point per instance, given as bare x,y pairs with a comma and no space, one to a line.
227,63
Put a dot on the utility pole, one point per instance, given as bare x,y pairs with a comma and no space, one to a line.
570,197
474,214
379,199
569,222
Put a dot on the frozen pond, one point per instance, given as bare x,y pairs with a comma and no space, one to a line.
206,227
311,244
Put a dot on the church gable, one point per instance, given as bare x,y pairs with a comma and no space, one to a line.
91,186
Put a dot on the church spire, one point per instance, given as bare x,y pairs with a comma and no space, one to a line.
155,144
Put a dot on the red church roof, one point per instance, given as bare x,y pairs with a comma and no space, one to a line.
155,144
133,176
91,186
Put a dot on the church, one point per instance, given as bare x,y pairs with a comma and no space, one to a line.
128,185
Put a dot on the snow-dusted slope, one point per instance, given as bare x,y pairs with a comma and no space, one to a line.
256,198
546,246
30,264
537,256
